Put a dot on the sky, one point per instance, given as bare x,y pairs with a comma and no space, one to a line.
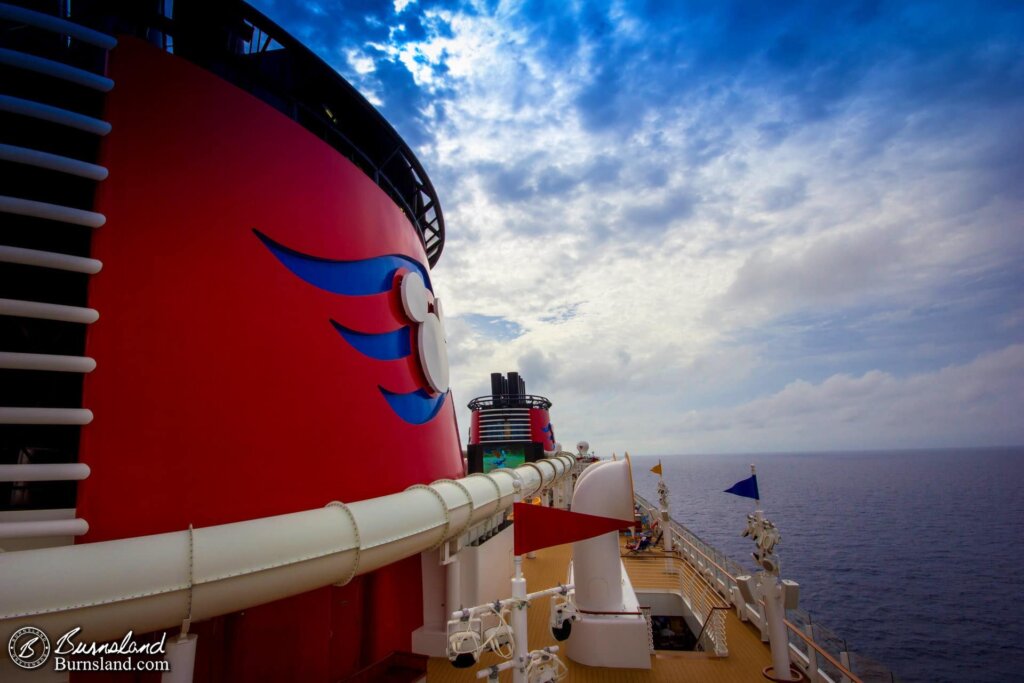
717,227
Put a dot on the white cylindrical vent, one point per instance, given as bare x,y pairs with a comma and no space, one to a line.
604,489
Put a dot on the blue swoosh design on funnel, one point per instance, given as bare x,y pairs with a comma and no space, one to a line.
351,278
417,408
386,346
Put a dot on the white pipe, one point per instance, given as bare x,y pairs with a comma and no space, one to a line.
46,527
46,112
48,22
471,612
45,416
774,616
44,361
49,259
453,583
145,583
181,654
52,162
73,471
49,67
51,212
37,309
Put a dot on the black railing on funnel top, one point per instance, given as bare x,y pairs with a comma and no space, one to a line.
239,44
509,401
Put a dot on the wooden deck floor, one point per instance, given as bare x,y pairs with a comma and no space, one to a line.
747,654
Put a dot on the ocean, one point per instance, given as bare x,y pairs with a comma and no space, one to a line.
912,556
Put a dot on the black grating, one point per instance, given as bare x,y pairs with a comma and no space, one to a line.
44,444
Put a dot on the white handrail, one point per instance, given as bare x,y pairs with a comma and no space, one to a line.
50,259
54,69
37,309
44,528
45,416
46,362
46,112
52,212
71,471
52,162
48,22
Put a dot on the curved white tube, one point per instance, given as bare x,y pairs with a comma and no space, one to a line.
604,489
144,583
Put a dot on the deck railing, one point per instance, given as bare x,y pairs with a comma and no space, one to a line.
819,662
704,603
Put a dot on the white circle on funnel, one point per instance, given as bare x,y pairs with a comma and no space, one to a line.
414,297
433,354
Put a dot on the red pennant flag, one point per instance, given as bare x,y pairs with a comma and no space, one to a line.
539,527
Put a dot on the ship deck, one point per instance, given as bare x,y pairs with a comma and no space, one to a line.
747,654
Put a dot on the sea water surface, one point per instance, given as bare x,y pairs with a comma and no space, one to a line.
914,558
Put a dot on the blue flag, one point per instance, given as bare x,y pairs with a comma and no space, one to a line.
746,488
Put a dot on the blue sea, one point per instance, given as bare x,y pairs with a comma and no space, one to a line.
913,557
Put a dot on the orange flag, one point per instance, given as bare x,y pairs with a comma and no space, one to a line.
657,469
539,527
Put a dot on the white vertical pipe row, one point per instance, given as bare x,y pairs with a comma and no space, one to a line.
149,583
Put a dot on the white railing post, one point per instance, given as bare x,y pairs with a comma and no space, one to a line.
844,659
181,656
812,656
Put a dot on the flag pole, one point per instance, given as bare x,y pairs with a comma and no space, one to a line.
757,501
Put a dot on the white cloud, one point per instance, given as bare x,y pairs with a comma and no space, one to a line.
702,230
977,403
705,213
